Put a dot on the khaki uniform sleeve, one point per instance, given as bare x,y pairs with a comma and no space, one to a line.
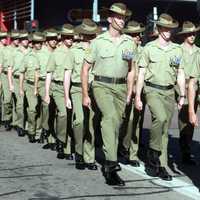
143,61
23,66
51,64
195,72
1,58
90,53
182,58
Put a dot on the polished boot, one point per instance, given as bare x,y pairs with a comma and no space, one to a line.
109,171
153,163
134,163
91,166
32,139
163,174
60,150
21,132
79,162
69,157
7,125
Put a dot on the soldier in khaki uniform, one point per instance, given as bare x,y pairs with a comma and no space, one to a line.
132,125
160,66
3,43
110,56
190,52
7,96
47,120
82,126
28,72
59,66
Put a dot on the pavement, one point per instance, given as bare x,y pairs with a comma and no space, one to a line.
28,172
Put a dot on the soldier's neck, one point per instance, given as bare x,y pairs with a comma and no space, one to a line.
162,42
113,32
188,45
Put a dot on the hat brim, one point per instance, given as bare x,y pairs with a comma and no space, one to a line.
186,32
127,14
80,30
172,26
136,31
66,34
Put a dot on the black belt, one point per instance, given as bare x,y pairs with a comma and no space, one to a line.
30,82
161,87
110,80
76,84
41,79
16,76
58,82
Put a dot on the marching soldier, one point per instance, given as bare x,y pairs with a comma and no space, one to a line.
82,126
190,52
110,56
160,66
132,125
58,67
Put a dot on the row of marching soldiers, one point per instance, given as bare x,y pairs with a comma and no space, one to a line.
46,76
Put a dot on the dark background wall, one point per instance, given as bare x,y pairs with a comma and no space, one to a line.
54,12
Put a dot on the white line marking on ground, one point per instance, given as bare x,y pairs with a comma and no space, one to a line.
176,184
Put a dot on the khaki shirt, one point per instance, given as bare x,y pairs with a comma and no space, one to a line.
60,60
160,63
189,58
1,54
43,57
30,65
7,52
78,52
106,55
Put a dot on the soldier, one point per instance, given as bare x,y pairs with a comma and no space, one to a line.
47,120
3,43
84,138
132,125
159,68
58,67
190,52
29,71
7,96
110,56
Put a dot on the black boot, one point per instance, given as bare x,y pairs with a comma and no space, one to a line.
32,138
188,160
69,157
60,150
91,166
109,171
163,174
79,162
153,163
20,132
7,125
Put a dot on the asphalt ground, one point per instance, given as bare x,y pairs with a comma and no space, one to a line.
28,172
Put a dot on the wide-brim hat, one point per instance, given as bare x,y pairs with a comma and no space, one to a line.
67,30
3,34
134,27
88,27
166,21
51,33
14,34
23,35
188,27
121,9
37,37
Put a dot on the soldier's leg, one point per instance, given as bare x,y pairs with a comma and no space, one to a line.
61,119
7,102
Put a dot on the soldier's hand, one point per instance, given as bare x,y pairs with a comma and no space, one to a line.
86,101
11,88
46,99
129,99
36,92
181,103
21,93
68,103
193,119
138,104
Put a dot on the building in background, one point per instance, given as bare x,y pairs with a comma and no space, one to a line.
30,14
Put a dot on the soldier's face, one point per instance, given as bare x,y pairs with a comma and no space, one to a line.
16,42
165,33
38,45
52,43
68,41
24,42
4,41
190,38
137,38
117,21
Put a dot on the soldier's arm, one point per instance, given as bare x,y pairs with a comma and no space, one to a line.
36,81
66,84
191,101
47,86
10,79
21,83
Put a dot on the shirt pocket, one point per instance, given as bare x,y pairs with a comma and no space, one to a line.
106,53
